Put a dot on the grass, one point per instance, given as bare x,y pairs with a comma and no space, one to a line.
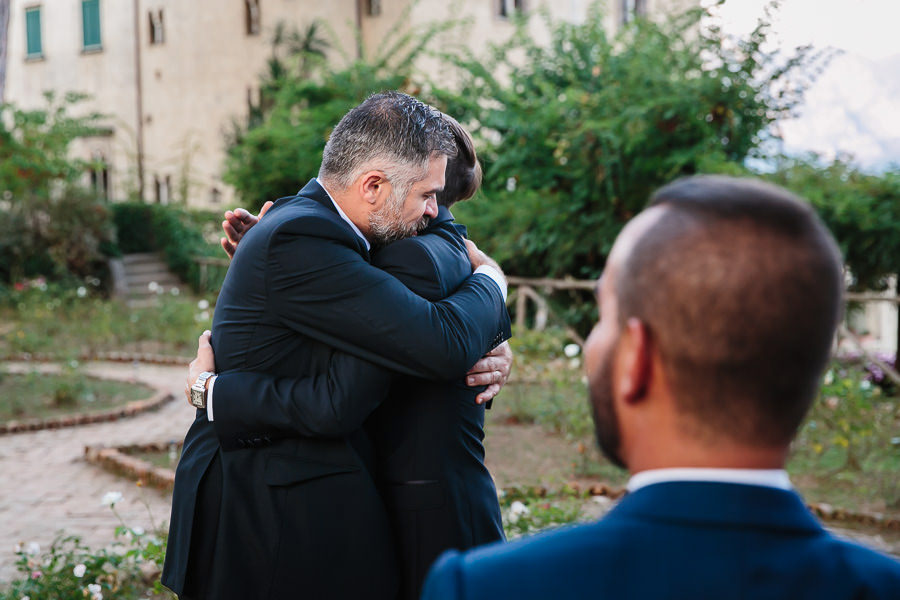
167,459
846,454
59,323
38,395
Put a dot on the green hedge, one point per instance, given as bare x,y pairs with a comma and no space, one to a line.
178,234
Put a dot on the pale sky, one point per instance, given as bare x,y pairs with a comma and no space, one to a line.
854,106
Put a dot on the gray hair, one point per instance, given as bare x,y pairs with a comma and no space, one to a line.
390,132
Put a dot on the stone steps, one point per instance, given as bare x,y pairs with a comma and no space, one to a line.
145,277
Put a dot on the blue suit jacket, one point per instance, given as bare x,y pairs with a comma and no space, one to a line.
676,540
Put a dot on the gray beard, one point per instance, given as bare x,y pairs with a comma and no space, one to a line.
387,223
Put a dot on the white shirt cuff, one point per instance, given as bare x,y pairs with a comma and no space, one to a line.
496,276
209,394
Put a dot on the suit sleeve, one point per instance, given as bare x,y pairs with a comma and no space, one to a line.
330,404
320,287
444,581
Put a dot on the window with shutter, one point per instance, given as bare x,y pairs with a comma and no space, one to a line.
33,32
90,18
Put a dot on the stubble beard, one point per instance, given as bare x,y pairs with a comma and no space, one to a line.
606,421
387,223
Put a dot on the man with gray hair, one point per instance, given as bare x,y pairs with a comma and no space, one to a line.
260,515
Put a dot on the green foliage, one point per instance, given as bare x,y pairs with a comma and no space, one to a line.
862,210
302,98
50,225
57,321
179,234
127,569
526,514
849,443
583,129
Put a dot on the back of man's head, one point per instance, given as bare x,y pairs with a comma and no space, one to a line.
463,175
391,132
740,285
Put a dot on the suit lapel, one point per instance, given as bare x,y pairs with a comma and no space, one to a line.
314,193
722,504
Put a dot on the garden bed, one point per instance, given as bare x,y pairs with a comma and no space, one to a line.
36,401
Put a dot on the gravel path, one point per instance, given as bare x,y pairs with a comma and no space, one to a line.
48,487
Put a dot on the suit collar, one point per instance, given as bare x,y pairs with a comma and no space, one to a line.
719,504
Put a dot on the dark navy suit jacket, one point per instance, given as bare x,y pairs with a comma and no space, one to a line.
676,540
427,436
303,515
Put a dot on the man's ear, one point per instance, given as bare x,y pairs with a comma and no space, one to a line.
373,187
635,361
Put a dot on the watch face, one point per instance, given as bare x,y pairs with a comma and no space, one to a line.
197,398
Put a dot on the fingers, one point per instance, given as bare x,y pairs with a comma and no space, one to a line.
265,208
485,378
228,247
487,364
233,231
203,340
488,394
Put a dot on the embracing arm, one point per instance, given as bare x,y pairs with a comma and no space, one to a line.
246,405
322,288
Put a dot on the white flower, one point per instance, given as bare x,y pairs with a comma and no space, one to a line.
829,377
174,291
81,291
111,498
518,508
33,548
79,570
152,286
25,598
137,530
572,350
574,363
865,384
203,304
96,591
17,548
204,316
511,184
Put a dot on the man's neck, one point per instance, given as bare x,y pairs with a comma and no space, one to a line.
348,210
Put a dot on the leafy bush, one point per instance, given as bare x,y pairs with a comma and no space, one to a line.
280,147
577,133
177,233
125,570
50,225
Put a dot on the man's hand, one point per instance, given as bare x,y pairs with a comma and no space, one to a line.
479,258
205,361
492,370
236,224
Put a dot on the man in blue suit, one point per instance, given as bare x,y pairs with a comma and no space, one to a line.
718,308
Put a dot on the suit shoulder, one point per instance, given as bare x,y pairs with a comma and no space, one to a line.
310,218
878,570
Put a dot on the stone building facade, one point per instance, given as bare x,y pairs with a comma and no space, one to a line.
171,75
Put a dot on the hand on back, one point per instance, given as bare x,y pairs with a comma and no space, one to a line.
236,224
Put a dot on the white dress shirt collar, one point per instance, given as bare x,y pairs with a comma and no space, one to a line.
776,478
345,217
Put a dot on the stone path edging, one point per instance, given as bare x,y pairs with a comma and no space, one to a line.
131,409
116,357
824,511
118,460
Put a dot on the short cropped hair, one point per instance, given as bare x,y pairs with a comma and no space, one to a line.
463,175
741,286
390,131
